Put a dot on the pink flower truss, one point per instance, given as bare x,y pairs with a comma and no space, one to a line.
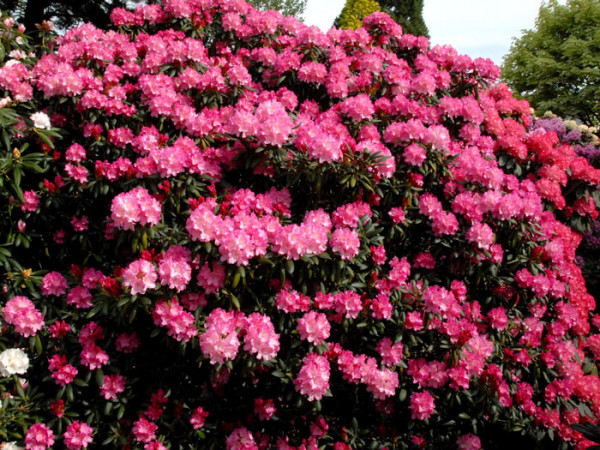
112,385
144,430
313,378
346,242
135,206
79,297
140,275
39,437
20,312
314,327
422,405
240,439
32,201
54,283
78,435
468,442
180,323
174,268
260,338
62,372
220,340
198,418
264,408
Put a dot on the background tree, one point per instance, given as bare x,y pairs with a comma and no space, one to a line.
408,13
355,11
286,7
64,13
555,65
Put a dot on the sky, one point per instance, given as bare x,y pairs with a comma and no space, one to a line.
473,27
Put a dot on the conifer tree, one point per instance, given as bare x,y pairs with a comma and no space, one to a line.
408,13
355,11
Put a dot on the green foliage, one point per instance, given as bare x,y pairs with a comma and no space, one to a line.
355,11
286,7
408,13
64,13
555,65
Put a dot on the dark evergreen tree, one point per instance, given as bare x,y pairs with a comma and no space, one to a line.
408,13
64,13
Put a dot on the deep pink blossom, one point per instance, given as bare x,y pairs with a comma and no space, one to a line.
78,435
39,437
314,327
422,405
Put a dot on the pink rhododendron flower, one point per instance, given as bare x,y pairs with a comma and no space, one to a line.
211,279
78,435
32,201
241,439
481,234
180,323
346,242
220,340
135,206
291,301
112,385
21,312
314,327
415,155
347,303
313,378
127,343
62,372
397,215
260,338
264,408
468,442
54,283
198,418
79,297
39,436
93,357
174,268
140,276
422,405
80,223
144,430
391,354
275,125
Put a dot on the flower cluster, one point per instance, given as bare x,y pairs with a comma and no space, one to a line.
248,233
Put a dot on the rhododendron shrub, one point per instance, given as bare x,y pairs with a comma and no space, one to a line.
254,234
586,144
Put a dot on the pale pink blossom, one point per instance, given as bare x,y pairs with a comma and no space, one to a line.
21,312
314,327
140,275
313,378
260,338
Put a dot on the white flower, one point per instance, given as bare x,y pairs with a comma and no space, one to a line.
13,360
40,120
10,446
